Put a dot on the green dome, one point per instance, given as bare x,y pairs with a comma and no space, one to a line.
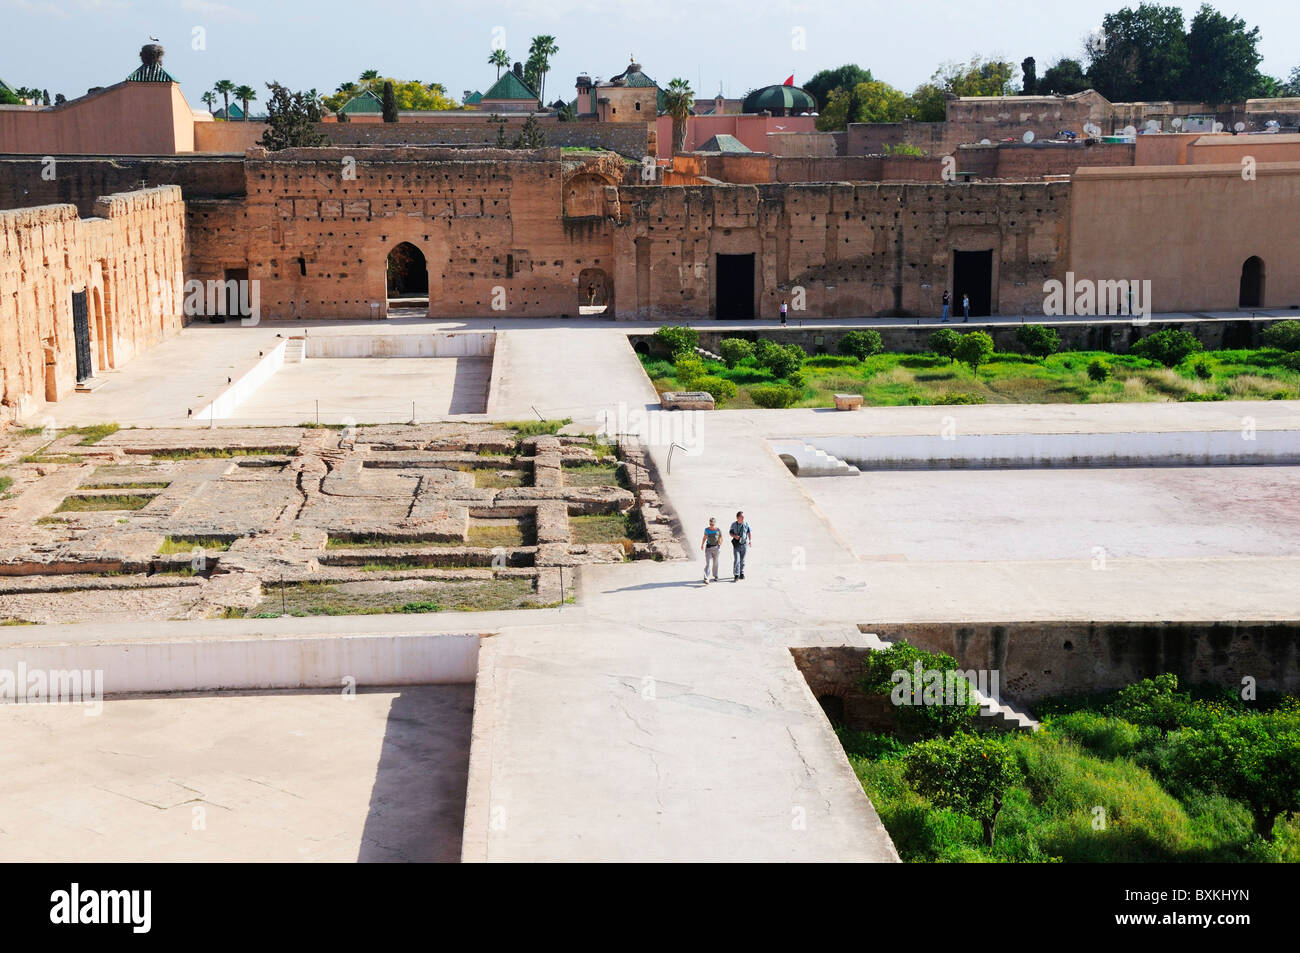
788,98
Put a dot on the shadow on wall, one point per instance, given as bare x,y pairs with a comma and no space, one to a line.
417,805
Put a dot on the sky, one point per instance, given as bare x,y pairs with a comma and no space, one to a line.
69,46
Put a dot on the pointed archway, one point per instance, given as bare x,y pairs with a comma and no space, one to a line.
408,274
1251,294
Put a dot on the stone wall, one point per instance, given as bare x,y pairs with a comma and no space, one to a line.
1019,161
626,138
81,180
833,673
856,250
1039,659
120,258
491,225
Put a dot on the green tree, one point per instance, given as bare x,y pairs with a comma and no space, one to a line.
979,77
1062,78
735,350
781,360
1252,758
931,698
530,135
1285,336
867,102
1170,346
9,99
974,349
501,141
969,774
291,119
209,99
245,94
500,59
826,81
540,52
1038,340
1222,59
861,344
928,103
944,342
225,89
1143,57
1292,85
678,99
369,76
1029,76
390,103
677,339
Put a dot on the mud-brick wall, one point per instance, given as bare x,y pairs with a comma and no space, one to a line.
1039,659
626,138
81,180
126,259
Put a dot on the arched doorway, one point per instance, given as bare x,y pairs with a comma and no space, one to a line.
595,293
408,274
1252,283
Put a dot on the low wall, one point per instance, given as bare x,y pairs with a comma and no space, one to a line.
401,345
833,673
1039,659
626,138
975,451
259,662
224,404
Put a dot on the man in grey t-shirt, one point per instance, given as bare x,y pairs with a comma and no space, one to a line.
741,540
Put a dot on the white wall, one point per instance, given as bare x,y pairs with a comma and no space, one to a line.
1064,449
400,345
213,664
235,394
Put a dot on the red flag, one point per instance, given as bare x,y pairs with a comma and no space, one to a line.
790,81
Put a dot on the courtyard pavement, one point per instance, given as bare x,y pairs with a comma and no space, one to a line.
661,719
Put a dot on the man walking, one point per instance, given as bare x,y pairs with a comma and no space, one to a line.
712,545
741,540
947,299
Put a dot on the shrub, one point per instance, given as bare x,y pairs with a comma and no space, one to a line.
917,712
1038,340
1099,369
1285,336
797,380
735,350
974,349
1153,702
861,344
1170,347
1202,368
678,340
969,774
960,397
688,370
1292,361
722,389
944,342
781,359
773,395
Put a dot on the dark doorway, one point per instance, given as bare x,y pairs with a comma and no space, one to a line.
81,336
235,295
595,292
408,273
735,288
1252,283
972,274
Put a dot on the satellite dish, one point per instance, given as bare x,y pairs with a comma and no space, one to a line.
1177,122
1240,127
1153,126
1091,130
1218,126
1129,132
985,142
1028,136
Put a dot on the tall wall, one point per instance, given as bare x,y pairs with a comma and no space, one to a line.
631,139
484,220
125,119
1189,230
80,180
227,136
136,241
864,249
752,130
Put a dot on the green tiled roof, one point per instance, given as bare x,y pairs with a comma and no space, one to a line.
510,86
632,76
151,74
474,98
779,97
723,143
235,112
364,102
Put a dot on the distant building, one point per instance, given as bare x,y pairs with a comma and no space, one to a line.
366,103
723,143
631,96
509,94
780,101
472,100
233,114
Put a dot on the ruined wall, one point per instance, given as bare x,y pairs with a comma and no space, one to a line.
80,181
1019,161
484,220
626,138
867,249
120,257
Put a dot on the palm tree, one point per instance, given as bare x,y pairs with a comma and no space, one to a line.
678,99
542,49
225,87
369,76
500,59
245,94
209,99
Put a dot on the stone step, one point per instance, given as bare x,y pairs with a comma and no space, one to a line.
295,351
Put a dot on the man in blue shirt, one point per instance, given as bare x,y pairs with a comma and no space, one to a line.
741,540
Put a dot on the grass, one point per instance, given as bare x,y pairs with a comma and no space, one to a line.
108,501
496,479
892,379
591,474
534,428
50,458
94,433
139,485
6,483
488,534
173,545
607,528
202,453
4,622
312,599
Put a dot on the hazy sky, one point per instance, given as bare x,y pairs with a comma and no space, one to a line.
70,45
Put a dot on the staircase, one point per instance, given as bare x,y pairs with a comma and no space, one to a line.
998,715
811,462
295,350
709,354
